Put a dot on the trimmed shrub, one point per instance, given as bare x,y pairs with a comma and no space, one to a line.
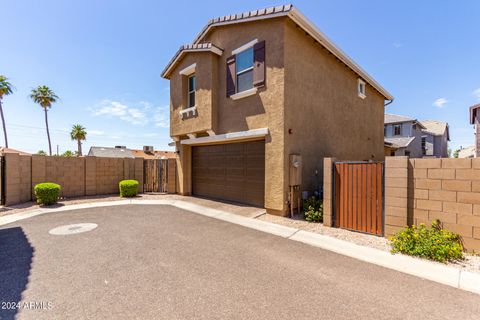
128,188
47,193
313,209
431,243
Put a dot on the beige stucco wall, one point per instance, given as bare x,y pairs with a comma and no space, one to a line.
323,109
263,110
206,106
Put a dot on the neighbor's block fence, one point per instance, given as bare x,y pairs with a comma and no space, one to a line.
83,176
423,190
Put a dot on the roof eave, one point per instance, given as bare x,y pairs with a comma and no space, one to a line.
179,55
313,31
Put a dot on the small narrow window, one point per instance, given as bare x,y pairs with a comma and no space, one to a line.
397,130
191,91
362,89
424,145
245,70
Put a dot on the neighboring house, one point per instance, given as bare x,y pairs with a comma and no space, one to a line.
416,139
405,134
4,150
435,138
467,152
108,152
475,120
149,153
253,89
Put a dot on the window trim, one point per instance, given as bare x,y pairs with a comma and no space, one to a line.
362,88
188,70
191,91
244,47
244,93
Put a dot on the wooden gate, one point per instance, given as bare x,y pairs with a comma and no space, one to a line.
159,175
358,196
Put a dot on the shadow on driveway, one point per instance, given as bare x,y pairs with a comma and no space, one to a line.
16,256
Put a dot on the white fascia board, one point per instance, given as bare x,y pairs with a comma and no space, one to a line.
188,70
227,137
245,46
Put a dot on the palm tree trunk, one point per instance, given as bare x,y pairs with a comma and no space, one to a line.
3,123
48,132
79,147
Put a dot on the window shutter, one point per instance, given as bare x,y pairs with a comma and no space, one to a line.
231,76
259,64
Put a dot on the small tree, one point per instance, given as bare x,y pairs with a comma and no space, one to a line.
41,153
68,153
78,133
5,90
456,153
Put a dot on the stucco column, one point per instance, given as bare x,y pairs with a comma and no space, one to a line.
184,169
328,191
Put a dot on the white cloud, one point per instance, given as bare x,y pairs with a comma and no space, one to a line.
96,132
161,117
476,93
117,109
440,102
397,44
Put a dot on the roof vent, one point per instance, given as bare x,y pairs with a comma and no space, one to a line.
120,147
147,148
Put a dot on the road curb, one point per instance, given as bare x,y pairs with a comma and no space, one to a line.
439,273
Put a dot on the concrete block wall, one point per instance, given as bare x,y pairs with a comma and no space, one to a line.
83,176
396,194
448,190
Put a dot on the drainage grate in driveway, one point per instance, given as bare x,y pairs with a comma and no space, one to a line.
72,229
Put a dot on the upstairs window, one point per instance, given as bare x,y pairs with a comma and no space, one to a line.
245,70
192,83
361,89
397,130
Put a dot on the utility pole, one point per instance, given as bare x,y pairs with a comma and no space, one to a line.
57,149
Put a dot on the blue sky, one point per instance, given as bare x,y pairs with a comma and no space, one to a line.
104,58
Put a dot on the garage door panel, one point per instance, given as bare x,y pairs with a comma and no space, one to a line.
234,172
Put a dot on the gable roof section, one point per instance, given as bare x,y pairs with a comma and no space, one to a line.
297,17
436,128
110,152
400,142
200,47
395,118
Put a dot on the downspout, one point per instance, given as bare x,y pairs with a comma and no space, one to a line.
386,104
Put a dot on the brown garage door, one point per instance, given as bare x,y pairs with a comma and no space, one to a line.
234,172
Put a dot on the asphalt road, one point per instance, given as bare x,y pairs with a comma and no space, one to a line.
160,262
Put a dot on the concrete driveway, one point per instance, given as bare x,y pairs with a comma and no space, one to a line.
161,262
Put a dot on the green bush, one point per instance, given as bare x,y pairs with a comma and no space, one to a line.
128,188
47,193
432,243
313,209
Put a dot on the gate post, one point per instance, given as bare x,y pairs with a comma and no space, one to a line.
328,164
396,194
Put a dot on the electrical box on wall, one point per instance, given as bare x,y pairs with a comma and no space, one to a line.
295,170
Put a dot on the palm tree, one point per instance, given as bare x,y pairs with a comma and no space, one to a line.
5,90
44,96
78,133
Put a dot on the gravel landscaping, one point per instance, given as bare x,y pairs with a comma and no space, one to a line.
470,263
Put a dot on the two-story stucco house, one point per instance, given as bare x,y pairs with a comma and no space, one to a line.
253,89
416,139
435,138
